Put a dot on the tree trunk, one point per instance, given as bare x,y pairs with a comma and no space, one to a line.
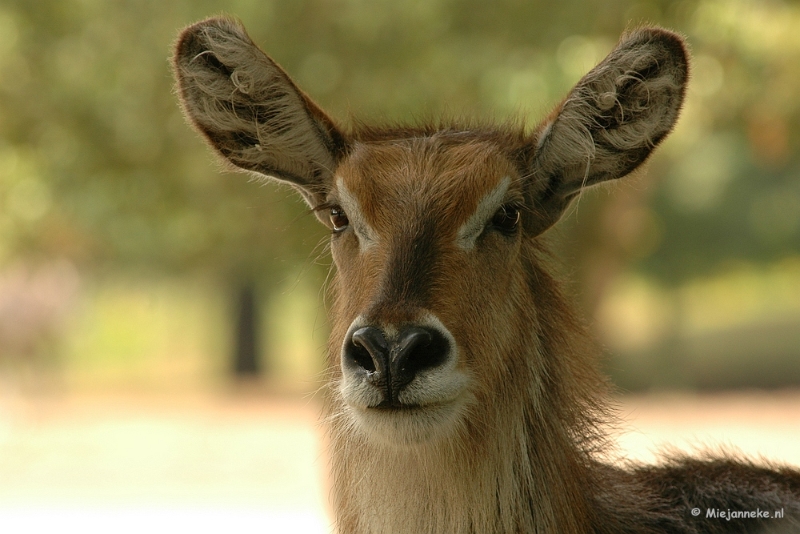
246,361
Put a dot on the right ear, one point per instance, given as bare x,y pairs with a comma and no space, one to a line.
251,112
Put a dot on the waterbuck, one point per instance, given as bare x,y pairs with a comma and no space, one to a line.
464,396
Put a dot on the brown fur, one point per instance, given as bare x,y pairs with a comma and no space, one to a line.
510,441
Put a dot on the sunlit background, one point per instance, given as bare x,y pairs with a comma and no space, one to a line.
162,321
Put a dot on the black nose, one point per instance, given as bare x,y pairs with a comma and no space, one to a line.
393,364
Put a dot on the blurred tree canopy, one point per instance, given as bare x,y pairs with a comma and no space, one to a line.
97,165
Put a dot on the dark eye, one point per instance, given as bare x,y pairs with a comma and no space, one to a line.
339,219
506,219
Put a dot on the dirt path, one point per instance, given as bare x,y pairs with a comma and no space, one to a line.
753,423
209,463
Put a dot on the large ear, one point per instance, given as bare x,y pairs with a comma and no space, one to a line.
611,121
251,112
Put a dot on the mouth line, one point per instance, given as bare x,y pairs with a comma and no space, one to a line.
388,407
394,406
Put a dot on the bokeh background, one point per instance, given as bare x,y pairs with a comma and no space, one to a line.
150,302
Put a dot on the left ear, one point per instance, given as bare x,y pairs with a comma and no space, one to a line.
251,112
610,122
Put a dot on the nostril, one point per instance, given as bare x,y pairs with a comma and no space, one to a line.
362,358
368,349
419,349
411,349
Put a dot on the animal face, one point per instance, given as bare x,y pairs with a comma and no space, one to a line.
428,242
440,304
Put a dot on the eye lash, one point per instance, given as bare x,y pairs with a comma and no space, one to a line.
325,206
515,205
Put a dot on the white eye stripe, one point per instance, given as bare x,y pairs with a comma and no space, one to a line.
352,208
489,204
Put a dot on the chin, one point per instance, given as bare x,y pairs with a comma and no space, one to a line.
409,426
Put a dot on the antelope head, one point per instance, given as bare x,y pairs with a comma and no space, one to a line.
441,307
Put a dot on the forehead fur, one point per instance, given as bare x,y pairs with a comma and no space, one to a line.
394,171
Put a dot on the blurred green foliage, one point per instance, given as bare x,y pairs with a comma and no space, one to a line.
98,167
97,163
